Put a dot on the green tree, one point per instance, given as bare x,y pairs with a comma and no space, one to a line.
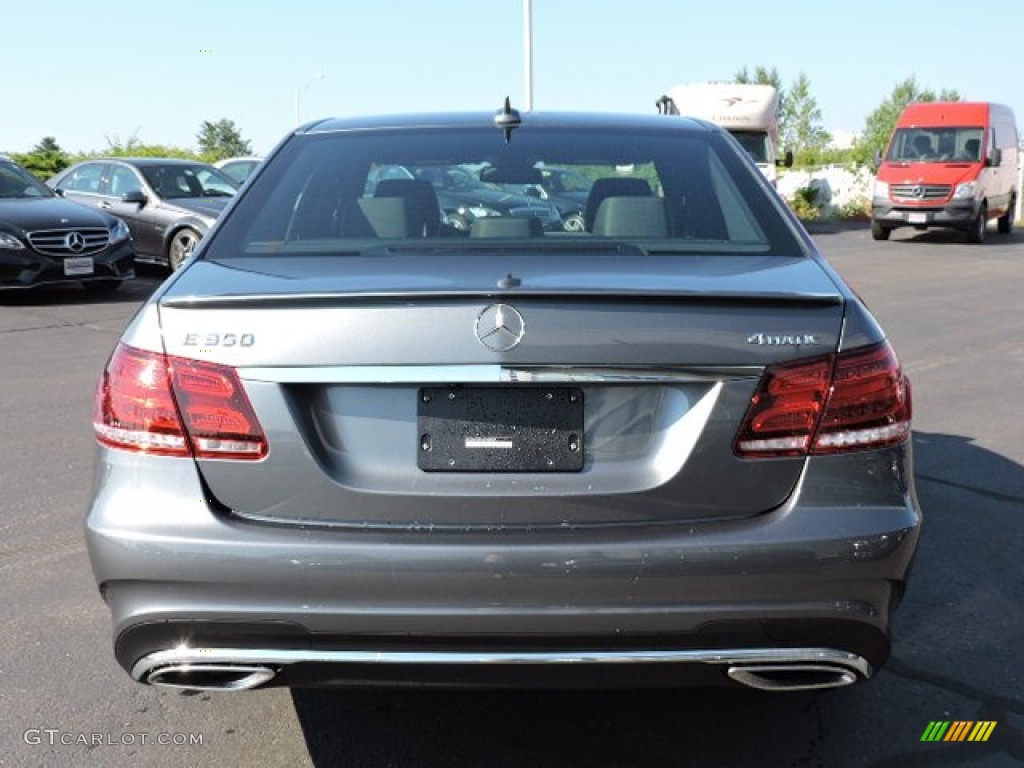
802,131
48,144
134,147
221,139
815,157
45,159
761,76
879,124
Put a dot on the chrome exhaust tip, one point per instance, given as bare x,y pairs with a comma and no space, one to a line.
792,677
210,677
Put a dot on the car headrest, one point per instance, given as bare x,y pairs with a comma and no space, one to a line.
612,187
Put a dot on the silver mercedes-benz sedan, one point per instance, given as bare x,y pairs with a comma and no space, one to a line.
350,443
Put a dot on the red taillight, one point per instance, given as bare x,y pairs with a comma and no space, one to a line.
856,400
174,406
869,405
134,406
785,409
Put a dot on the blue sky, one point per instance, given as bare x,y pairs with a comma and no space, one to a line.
85,71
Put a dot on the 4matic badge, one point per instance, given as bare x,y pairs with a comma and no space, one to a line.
782,340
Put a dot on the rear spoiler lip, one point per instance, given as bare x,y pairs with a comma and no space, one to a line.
306,299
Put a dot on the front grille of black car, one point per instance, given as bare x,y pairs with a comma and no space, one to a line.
62,242
920,191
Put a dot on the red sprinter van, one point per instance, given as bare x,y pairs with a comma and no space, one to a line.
949,164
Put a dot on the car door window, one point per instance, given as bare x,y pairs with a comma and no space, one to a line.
85,179
122,181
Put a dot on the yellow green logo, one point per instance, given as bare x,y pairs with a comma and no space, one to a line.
958,730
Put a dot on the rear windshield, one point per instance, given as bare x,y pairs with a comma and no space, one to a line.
548,187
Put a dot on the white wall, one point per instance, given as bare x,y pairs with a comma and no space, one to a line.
838,186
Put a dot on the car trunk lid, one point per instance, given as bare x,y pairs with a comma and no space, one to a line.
342,358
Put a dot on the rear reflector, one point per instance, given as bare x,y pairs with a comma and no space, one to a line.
173,406
852,401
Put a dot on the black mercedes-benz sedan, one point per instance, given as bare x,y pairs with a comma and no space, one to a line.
45,239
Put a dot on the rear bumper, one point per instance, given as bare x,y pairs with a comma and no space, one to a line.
959,214
682,602
214,668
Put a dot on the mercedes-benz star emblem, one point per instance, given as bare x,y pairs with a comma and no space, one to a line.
917,191
500,327
74,242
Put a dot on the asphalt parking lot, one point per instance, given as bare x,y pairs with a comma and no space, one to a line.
953,313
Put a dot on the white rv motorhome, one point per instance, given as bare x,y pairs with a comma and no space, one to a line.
749,112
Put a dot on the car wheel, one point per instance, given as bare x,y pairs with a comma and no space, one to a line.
457,221
102,286
181,247
976,234
878,232
1006,220
573,223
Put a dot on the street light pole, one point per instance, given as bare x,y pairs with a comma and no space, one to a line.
298,96
528,54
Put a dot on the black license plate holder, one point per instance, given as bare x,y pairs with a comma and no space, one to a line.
500,429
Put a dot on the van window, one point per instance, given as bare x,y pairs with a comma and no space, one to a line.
757,144
936,145
1004,130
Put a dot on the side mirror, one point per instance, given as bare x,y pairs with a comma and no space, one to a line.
134,196
995,157
58,192
788,160
876,156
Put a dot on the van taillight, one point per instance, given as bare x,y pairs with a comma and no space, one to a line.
173,406
852,401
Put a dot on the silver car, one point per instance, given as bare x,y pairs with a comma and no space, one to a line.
349,444
167,203
238,168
